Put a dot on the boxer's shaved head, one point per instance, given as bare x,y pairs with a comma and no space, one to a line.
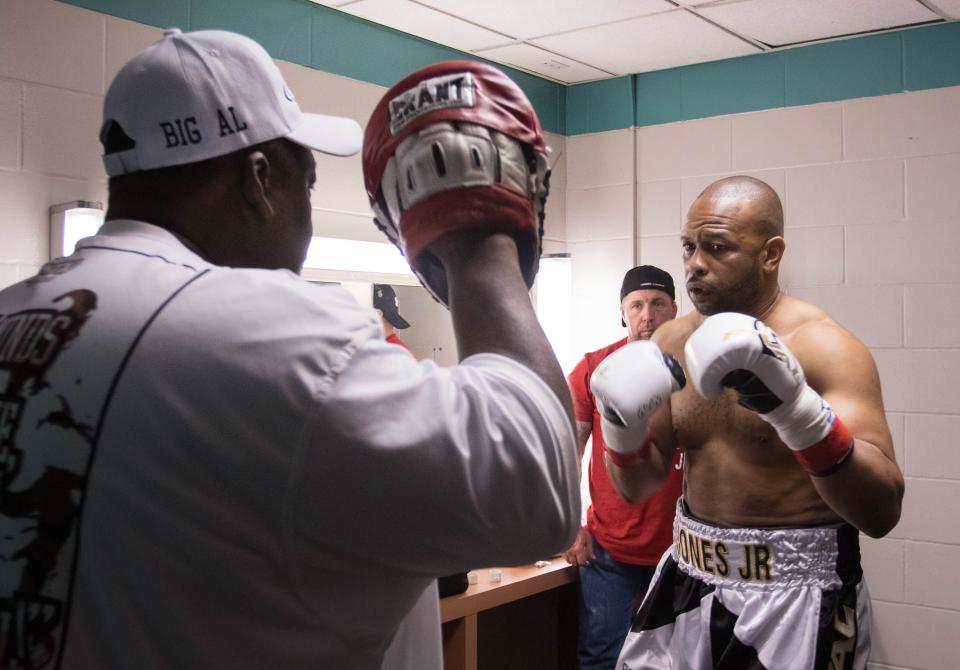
758,203
733,245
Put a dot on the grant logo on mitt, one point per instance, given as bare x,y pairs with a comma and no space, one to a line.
452,90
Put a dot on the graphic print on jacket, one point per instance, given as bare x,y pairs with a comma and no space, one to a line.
39,492
66,335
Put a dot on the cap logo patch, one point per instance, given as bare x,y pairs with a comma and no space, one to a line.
449,90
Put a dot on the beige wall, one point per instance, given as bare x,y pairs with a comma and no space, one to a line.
870,188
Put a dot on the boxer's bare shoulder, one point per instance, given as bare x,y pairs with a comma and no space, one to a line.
822,346
790,316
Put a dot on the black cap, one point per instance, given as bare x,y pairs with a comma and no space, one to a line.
385,299
647,276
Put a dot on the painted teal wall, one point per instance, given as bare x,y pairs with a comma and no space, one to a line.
309,34
906,60
600,105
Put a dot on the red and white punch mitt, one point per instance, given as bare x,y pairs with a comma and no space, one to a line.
456,146
629,385
737,351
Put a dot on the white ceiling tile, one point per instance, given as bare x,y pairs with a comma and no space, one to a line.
532,59
531,18
650,43
949,7
780,22
427,23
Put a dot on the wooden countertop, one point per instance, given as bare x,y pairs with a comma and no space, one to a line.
515,583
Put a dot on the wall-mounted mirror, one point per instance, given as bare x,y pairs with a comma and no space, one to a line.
358,265
430,334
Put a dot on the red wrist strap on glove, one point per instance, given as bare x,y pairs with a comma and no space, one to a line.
824,457
622,460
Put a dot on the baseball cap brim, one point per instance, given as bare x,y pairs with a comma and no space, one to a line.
335,135
396,320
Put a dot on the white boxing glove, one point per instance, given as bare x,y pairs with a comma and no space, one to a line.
628,386
738,351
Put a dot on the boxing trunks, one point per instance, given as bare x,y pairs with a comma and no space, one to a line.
750,599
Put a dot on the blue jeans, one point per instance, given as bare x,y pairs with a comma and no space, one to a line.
610,593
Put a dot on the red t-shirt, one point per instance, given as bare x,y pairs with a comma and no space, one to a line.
637,534
393,339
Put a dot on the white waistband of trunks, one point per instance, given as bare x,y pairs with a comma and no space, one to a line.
755,557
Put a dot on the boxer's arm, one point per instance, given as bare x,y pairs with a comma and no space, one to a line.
632,387
638,480
491,308
867,489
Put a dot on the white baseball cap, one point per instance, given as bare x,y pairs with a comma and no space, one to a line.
198,95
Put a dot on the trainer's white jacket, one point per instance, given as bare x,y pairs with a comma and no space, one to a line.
205,467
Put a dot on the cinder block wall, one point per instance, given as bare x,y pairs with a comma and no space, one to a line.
599,227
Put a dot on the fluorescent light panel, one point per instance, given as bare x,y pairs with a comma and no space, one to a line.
331,253
70,222
554,286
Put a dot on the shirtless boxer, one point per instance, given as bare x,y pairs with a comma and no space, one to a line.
788,456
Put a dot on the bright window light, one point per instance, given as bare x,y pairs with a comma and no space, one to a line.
330,253
554,286
70,222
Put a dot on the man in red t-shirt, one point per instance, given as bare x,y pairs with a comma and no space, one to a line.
619,547
386,303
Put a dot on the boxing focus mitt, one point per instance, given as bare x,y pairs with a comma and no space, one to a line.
628,386
456,146
737,351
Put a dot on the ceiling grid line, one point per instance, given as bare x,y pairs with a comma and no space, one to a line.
760,45
579,42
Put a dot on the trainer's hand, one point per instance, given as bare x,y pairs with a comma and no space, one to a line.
581,553
454,147
628,386
737,351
